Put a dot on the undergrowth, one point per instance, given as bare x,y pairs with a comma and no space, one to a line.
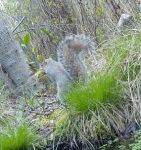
103,89
107,86
18,135
97,110
136,144
93,129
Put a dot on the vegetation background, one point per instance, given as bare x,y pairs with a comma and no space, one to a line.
101,114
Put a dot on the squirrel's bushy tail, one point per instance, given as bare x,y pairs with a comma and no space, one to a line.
76,42
68,54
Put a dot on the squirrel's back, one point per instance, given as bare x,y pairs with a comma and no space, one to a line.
68,54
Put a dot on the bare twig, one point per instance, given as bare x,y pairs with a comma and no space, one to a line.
25,30
18,24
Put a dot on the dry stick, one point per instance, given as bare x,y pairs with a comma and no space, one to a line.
25,30
39,28
18,24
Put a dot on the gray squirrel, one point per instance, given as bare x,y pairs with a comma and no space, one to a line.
69,66
69,55
58,75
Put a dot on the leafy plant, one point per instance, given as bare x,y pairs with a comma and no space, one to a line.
26,40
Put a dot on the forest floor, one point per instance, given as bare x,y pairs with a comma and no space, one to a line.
36,110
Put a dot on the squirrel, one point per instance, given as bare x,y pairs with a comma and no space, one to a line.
58,76
69,55
69,66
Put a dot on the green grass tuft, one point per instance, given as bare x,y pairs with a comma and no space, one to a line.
20,137
101,90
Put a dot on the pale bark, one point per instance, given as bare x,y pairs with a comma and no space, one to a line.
12,58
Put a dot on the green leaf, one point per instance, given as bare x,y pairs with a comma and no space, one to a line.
40,58
26,40
15,10
99,11
35,50
44,30
7,6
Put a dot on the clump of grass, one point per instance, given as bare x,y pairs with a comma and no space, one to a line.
91,129
18,137
101,90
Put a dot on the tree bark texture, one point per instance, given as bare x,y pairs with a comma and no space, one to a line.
12,58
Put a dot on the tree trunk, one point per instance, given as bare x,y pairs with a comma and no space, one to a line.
12,58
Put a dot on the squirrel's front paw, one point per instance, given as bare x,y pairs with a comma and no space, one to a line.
60,101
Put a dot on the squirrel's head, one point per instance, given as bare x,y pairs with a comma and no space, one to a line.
46,62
